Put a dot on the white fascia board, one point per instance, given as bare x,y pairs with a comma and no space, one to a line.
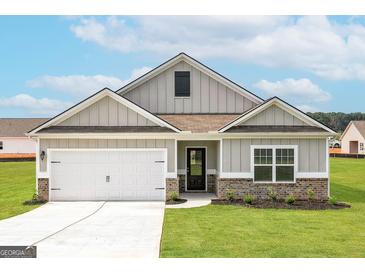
312,175
286,107
197,65
182,137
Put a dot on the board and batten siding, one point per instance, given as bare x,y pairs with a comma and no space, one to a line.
274,116
110,143
237,156
211,155
206,94
107,112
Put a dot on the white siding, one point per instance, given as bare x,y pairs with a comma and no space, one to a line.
274,116
311,153
18,145
107,112
109,143
206,94
212,162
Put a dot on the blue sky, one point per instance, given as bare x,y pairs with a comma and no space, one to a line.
49,63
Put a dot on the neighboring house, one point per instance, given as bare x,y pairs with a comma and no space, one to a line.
180,127
353,138
12,135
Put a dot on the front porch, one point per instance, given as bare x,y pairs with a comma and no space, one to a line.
197,165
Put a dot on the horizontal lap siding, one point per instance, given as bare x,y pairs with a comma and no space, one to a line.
111,143
206,94
107,112
311,153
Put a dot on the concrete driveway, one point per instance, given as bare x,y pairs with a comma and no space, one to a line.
88,229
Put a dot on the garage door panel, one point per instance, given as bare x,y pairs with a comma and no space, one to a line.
133,175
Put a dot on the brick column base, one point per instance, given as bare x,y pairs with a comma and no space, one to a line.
172,185
43,189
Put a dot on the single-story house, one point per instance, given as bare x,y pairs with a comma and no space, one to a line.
12,135
353,138
182,127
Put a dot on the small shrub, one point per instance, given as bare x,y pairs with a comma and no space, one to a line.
248,199
273,195
174,196
230,194
310,194
34,201
332,200
290,199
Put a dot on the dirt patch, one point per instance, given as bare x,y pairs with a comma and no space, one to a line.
175,202
301,204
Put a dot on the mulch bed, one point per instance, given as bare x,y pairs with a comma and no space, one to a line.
176,202
300,204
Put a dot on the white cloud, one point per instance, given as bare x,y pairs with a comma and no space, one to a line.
41,106
312,43
301,90
83,85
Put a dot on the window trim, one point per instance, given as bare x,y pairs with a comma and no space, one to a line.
185,96
274,147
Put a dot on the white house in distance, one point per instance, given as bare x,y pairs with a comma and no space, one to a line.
12,135
353,138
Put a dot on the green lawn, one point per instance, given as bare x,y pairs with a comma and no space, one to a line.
17,184
232,231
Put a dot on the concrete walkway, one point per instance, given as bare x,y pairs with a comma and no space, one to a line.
111,229
194,200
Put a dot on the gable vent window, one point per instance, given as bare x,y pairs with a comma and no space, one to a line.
182,83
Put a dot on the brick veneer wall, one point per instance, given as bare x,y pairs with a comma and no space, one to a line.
172,185
43,189
242,187
212,182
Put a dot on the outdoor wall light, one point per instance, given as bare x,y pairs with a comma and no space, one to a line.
43,154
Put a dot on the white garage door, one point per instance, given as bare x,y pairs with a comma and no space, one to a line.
107,175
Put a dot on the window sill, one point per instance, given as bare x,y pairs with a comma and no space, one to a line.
182,97
273,183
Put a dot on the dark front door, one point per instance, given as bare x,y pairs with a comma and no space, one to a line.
195,169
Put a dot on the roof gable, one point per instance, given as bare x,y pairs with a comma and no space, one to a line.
105,108
276,112
358,125
274,115
182,57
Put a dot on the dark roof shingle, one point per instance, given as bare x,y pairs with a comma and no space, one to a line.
360,125
17,127
198,123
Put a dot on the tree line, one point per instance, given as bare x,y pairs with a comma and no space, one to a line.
337,120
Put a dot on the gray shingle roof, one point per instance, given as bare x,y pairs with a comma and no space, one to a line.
241,129
360,125
17,127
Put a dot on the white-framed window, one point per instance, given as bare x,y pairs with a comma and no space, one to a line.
274,163
1,145
361,146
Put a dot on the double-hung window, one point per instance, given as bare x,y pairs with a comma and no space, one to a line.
274,163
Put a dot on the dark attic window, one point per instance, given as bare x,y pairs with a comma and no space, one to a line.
182,83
